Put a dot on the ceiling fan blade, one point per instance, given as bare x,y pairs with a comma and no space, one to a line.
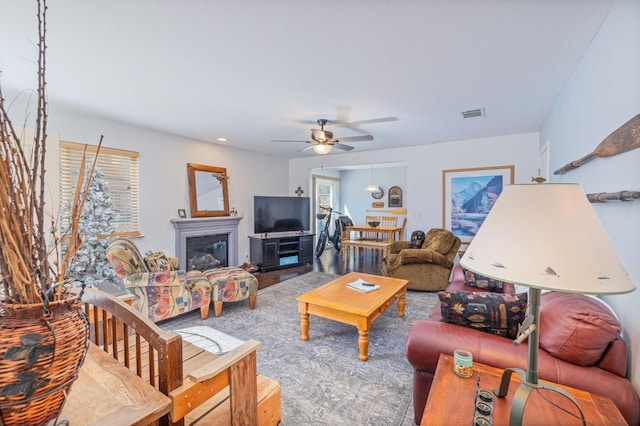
354,125
285,140
355,138
307,148
343,147
360,122
343,113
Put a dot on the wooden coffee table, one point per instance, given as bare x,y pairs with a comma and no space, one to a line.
451,401
335,301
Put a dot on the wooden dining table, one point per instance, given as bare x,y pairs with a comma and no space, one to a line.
107,392
392,233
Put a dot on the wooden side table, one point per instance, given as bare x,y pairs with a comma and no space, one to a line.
107,392
452,401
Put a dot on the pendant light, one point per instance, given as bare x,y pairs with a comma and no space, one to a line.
372,187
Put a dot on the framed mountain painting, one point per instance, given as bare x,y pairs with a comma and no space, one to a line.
468,195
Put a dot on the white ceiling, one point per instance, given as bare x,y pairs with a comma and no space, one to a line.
251,70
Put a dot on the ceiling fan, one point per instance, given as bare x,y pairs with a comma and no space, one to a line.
322,141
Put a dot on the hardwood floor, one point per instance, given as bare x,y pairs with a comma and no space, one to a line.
330,262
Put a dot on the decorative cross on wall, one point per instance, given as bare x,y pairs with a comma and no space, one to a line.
299,191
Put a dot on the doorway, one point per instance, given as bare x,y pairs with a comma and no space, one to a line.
326,193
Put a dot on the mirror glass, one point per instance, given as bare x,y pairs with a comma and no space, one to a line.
208,194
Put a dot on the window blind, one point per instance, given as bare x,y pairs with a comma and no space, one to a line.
120,170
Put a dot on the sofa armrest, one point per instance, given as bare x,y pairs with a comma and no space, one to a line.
614,358
410,256
396,246
427,339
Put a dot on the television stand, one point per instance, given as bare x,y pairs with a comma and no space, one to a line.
277,251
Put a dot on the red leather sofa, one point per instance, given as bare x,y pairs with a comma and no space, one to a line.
577,348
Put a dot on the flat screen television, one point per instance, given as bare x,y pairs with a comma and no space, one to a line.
281,214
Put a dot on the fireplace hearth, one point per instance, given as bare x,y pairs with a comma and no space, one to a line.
201,242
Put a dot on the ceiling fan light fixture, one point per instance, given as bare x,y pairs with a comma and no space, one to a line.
322,149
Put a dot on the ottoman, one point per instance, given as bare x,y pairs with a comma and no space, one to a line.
231,284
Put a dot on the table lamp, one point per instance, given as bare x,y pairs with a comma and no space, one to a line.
546,237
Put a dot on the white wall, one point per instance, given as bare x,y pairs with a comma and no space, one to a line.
423,192
603,94
163,172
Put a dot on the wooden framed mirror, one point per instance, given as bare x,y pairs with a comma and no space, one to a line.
208,193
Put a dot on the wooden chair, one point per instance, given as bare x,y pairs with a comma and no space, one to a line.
387,222
400,236
369,218
344,236
225,389
370,236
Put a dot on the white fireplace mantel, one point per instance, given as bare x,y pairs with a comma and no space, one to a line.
203,226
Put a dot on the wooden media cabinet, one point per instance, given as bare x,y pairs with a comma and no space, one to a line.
276,251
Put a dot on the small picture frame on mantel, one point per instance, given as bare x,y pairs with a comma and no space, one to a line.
182,213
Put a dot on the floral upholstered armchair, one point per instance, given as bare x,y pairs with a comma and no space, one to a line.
426,267
161,291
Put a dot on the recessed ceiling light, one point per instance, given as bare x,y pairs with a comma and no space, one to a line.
222,140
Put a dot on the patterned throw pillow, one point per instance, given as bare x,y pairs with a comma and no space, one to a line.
125,259
480,281
417,238
493,313
158,262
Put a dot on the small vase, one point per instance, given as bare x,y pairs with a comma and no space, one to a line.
41,351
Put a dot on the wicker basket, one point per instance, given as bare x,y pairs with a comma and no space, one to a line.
41,352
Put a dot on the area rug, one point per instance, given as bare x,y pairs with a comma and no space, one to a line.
209,339
323,382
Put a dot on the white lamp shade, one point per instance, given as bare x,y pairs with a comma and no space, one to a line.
547,236
322,149
372,187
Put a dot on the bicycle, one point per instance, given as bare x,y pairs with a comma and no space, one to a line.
324,233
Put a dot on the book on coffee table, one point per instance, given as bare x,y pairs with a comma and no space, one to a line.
363,286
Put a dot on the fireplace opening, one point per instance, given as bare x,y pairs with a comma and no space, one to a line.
207,252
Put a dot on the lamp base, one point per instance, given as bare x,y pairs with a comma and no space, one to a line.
523,392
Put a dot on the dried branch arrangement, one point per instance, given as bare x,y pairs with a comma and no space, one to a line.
28,241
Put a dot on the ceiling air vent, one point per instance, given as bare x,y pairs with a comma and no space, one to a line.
473,113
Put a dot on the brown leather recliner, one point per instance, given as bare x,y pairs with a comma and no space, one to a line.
579,347
427,268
